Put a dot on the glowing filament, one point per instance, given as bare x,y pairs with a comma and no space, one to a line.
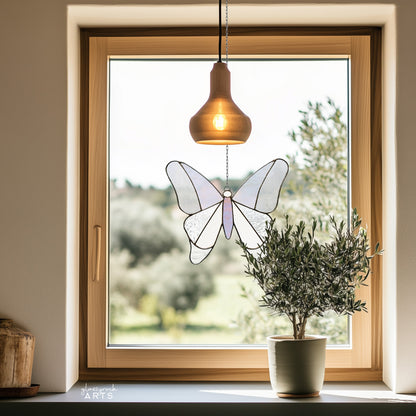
220,122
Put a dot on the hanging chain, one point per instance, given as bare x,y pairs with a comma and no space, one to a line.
226,61
226,167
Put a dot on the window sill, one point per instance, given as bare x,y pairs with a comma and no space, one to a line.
207,398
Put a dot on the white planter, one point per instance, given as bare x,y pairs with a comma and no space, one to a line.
296,366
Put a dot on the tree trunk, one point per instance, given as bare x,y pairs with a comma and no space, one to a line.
302,325
292,319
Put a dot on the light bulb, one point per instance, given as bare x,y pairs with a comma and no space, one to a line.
220,122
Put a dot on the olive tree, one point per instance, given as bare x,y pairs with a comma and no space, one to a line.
301,277
319,167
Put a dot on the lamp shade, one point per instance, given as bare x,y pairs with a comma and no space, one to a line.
220,121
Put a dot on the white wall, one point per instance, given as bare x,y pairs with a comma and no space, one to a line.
39,162
406,199
33,179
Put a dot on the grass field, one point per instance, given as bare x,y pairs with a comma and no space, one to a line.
212,322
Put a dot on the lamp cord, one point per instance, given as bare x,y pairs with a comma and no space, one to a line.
226,61
226,32
219,30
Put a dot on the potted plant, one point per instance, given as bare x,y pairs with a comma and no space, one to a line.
300,278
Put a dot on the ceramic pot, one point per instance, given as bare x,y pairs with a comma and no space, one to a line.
296,366
16,355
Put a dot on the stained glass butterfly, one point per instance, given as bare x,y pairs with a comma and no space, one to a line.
209,211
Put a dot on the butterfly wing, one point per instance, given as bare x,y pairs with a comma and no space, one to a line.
262,189
198,197
202,230
250,225
194,191
258,196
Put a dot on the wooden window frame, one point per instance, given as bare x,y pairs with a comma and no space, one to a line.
363,45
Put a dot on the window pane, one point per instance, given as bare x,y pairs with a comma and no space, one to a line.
299,112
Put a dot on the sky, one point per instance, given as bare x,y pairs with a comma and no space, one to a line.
152,101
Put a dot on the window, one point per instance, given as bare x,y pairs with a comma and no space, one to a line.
156,296
362,359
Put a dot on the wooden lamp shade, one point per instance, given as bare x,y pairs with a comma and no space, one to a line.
220,121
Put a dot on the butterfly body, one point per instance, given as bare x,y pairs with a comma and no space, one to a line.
209,210
227,216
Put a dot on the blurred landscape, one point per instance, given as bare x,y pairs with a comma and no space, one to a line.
158,297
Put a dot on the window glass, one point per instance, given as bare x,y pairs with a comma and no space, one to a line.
299,112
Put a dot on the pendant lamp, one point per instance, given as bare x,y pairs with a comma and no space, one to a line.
220,121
